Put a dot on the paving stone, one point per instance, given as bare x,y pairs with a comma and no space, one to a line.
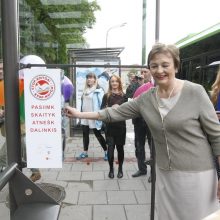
85,186
3,195
97,175
130,135
101,166
76,213
65,167
131,184
109,212
105,185
5,212
99,155
48,175
146,184
129,166
121,197
68,155
71,196
79,166
69,176
143,197
91,198
137,212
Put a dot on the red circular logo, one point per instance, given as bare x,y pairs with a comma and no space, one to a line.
42,87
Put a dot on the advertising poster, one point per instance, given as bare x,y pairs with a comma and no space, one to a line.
103,75
42,90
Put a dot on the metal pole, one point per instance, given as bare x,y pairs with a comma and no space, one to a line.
153,180
144,14
157,23
107,32
153,171
10,60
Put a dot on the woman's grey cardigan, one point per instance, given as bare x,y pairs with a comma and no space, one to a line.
188,135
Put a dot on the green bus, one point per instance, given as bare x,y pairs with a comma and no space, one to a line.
200,56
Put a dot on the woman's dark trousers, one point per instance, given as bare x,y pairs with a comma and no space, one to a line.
120,150
98,135
141,130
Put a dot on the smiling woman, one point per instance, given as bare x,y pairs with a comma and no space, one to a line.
184,139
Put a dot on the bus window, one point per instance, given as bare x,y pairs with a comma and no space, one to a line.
196,70
209,77
184,72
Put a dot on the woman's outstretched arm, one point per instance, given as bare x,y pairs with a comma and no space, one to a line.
74,113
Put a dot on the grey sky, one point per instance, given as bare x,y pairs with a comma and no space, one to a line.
178,18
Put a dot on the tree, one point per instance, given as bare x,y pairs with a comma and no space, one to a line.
45,30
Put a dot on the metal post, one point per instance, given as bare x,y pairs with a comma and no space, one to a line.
144,14
113,27
157,23
153,180
11,85
153,171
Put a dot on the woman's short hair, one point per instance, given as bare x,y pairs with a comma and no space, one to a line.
159,48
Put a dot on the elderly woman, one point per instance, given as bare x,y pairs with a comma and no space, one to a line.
186,133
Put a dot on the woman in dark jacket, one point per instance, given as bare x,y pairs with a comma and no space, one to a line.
116,131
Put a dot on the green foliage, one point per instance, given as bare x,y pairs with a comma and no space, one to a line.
34,40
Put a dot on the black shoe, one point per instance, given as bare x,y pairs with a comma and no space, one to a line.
111,174
139,173
120,174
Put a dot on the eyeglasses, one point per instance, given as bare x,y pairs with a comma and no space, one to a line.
143,71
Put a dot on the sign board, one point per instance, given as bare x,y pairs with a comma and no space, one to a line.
103,75
42,90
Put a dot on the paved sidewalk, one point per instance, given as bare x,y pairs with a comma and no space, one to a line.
90,194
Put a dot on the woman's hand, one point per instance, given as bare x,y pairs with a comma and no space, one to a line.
74,113
71,112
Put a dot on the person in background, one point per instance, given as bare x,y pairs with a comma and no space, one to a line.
147,75
141,130
35,175
115,132
91,101
3,150
215,94
186,134
215,98
133,84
